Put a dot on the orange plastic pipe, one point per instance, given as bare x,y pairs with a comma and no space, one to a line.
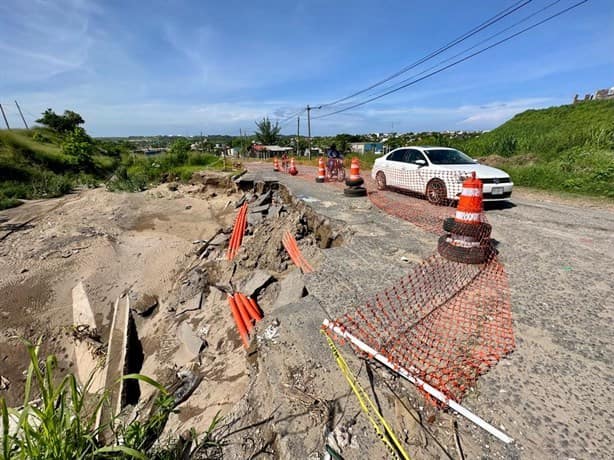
253,303
233,238
253,312
244,314
239,321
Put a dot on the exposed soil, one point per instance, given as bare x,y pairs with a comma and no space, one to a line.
284,397
114,242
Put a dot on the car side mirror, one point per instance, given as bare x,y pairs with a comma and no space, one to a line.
420,162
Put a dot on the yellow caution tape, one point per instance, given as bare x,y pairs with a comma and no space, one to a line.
384,432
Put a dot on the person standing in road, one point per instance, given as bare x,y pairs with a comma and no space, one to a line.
333,154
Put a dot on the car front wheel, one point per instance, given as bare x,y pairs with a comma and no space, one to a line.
436,192
380,179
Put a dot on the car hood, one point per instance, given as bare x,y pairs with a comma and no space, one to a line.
481,171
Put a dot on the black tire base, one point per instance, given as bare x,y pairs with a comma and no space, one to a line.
476,255
319,181
479,231
354,182
355,191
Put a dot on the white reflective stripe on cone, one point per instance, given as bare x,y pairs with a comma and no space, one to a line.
463,241
471,191
469,217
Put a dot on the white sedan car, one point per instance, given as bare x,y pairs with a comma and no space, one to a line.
438,173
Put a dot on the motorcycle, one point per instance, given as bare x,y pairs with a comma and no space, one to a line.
335,169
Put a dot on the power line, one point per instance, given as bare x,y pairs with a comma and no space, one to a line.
509,37
489,22
526,18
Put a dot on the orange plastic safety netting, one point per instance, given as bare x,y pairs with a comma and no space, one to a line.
445,322
449,320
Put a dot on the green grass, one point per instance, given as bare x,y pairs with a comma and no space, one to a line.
59,421
33,165
138,172
568,148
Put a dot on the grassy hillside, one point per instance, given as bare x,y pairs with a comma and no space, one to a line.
567,148
33,165
40,163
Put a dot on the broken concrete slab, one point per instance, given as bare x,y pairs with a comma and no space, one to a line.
257,281
254,218
220,239
240,201
117,352
88,363
191,343
263,199
292,289
143,304
190,305
274,211
263,208
81,309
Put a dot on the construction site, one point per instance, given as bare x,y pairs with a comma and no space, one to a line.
321,319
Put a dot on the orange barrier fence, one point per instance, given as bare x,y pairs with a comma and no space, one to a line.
449,322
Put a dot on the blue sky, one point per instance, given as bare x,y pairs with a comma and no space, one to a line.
182,67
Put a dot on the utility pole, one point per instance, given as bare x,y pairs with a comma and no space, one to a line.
4,116
309,129
22,118
298,134
309,109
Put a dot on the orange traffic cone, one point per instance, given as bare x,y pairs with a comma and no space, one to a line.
276,164
293,171
321,171
468,238
354,180
469,209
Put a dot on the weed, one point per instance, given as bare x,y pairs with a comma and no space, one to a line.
59,420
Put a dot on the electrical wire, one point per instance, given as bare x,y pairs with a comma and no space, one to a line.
412,82
481,42
489,22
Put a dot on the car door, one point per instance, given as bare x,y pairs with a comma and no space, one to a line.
408,177
393,168
417,181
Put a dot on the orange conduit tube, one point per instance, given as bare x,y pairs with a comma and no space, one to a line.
239,321
256,307
295,253
237,233
253,312
247,320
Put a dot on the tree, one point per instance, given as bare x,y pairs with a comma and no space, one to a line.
178,152
267,133
80,146
61,123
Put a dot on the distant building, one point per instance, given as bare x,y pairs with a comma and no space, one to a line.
604,94
600,94
267,151
366,147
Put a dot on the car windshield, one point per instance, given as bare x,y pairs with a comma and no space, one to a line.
448,157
